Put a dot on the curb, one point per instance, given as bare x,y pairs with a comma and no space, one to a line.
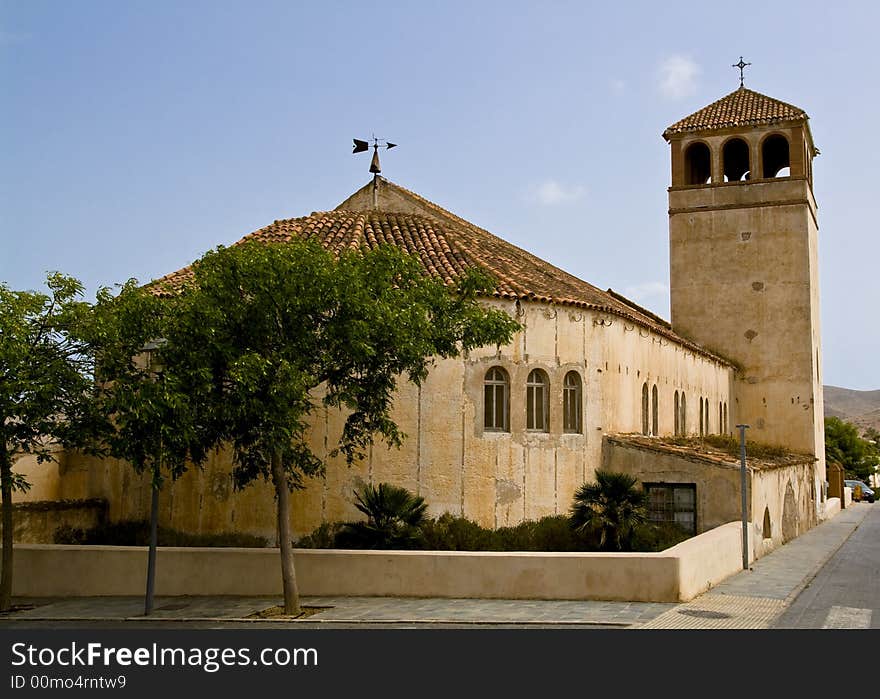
311,620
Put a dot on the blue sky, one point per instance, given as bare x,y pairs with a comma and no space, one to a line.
136,135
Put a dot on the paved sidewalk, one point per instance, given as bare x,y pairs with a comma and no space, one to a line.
750,599
754,599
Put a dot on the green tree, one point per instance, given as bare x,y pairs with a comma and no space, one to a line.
393,518
284,329
843,445
45,373
145,408
613,506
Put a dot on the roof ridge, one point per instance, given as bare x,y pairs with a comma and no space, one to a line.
483,231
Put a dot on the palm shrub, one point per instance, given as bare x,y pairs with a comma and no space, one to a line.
614,506
393,518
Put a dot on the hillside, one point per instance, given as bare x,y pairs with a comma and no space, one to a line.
861,408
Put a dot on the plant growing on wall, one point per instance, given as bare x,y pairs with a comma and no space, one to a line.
614,506
44,375
283,329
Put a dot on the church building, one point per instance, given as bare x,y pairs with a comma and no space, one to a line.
506,434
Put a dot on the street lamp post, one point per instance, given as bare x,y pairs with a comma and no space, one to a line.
744,502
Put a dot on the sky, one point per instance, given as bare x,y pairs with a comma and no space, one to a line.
136,135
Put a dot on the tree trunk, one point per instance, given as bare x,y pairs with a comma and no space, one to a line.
6,562
288,574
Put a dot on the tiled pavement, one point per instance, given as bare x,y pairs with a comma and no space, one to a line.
754,599
750,599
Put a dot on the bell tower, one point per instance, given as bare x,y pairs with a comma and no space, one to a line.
743,260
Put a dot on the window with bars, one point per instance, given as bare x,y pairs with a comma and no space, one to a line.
537,403
496,400
572,402
673,503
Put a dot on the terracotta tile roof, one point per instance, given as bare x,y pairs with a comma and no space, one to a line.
742,107
446,245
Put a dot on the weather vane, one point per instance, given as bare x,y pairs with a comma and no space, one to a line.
740,65
361,146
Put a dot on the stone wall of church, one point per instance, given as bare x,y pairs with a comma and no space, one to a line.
496,478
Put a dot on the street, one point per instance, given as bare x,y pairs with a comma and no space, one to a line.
845,594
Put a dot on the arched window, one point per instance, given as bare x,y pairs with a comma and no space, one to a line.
697,164
726,425
675,416
682,421
645,408
706,408
701,416
496,400
720,417
775,156
654,420
572,400
537,404
735,156
766,530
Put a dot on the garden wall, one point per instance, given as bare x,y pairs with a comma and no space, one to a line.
677,574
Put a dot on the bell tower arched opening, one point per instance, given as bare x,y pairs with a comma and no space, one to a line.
735,160
775,156
697,164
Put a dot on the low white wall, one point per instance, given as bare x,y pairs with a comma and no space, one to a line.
708,559
677,574
832,508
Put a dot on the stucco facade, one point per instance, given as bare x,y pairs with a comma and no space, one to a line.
497,478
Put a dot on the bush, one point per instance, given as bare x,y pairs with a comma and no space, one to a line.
396,520
137,533
658,536
324,537
451,533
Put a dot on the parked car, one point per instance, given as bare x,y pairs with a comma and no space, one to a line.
867,493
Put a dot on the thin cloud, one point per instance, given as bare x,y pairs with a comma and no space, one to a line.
618,87
640,293
552,193
678,77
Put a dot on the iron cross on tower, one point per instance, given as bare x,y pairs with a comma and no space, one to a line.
740,65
